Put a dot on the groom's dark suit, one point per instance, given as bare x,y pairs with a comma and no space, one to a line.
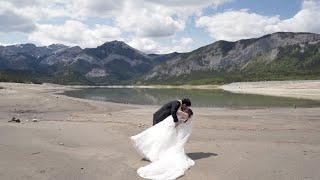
166,110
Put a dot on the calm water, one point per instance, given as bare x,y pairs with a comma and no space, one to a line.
199,98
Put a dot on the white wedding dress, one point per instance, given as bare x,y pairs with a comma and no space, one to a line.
163,144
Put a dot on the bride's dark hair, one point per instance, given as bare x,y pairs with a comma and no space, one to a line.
190,113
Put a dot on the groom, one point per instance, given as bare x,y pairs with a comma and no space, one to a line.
171,108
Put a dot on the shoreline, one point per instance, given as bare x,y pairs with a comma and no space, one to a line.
299,89
302,89
148,86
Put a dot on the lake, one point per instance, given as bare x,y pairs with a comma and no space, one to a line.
199,97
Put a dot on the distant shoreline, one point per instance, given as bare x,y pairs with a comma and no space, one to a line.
151,86
301,89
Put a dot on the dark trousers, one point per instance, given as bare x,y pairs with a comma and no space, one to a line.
155,120
158,118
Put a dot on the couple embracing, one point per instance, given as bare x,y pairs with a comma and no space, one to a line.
163,143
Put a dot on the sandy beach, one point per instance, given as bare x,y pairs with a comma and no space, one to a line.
84,139
305,89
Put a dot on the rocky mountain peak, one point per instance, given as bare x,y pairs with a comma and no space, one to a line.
115,44
57,46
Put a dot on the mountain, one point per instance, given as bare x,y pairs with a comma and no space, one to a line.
23,56
276,56
282,55
111,63
117,61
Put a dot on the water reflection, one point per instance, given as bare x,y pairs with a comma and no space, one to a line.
199,98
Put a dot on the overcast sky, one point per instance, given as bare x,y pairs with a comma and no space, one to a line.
153,26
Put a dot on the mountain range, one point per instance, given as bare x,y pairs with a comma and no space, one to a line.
277,56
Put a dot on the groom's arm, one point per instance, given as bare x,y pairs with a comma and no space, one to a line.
174,108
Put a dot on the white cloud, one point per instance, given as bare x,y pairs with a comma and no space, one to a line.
189,2
7,44
145,18
182,45
155,18
74,33
12,22
235,25
148,20
185,8
148,45
94,8
38,9
306,20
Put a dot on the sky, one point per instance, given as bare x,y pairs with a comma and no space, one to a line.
152,26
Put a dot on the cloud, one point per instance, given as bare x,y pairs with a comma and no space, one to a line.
155,18
182,45
38,9
306,20
74,33
145,18
148,45
12,22
148,20
234,25
141,20
194,4
94,8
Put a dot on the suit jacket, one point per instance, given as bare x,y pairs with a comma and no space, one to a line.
166,110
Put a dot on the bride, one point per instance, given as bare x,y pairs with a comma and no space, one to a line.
163,145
